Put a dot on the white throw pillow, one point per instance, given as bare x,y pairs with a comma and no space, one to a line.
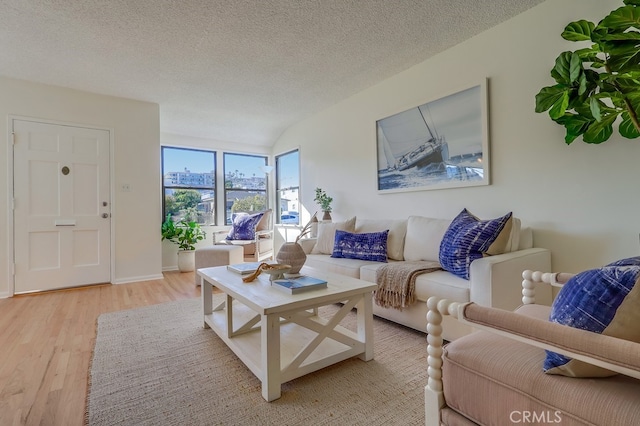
514,237
327,234
395,240
424,235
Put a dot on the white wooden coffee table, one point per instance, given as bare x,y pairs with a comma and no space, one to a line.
279,336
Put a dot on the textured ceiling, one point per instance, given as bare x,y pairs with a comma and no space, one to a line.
233,70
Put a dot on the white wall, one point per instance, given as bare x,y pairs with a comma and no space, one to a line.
135,127
582,200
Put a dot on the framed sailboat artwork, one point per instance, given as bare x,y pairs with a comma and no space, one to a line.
443,143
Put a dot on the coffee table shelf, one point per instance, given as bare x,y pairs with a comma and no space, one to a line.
280,337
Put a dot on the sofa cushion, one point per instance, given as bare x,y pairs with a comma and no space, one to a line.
265,222
395,240
243,226
367,246
603,300
468,238
327,234
424,235
348,267
492,379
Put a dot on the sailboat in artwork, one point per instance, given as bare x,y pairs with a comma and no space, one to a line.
431,148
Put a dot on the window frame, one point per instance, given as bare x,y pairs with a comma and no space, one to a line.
164,187
228,219
278,190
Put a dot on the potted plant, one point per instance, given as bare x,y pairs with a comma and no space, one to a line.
185,234
324,201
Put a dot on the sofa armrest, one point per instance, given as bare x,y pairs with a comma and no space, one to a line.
604,351
219,235
307,244
496,280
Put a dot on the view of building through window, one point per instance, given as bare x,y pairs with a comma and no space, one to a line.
245,184
288,187
188,184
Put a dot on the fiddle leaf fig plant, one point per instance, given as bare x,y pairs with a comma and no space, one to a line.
598,84
184,233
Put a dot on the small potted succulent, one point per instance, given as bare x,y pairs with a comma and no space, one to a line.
185,234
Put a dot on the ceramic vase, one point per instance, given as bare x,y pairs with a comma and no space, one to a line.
292,254
326,216
186,260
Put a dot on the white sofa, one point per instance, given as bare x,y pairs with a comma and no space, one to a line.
495,281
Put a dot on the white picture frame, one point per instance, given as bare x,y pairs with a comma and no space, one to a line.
439,144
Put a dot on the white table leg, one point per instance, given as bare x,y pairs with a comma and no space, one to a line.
207,302
270,348
365,325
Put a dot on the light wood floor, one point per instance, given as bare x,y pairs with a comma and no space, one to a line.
46,344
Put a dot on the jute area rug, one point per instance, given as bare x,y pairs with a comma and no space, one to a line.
158,366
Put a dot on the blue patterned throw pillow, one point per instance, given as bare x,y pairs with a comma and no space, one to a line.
244,226
367,246
469,238
605,300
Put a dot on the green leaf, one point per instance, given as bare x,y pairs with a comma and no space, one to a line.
575,67
622,60
600,131
632,2
575,125
560,106
582,89
562,71
627,128
578,31
622,18
595,108
548,96
630,36
588,55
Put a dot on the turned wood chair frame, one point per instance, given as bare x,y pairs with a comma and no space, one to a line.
437,308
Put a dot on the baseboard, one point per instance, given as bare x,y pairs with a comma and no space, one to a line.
137,279
169,268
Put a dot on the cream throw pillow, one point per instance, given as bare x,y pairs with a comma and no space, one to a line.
424,235
327,234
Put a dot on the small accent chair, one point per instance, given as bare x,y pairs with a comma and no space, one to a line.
495,375
255,235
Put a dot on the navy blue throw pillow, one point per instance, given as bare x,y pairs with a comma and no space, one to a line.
366,246
469,238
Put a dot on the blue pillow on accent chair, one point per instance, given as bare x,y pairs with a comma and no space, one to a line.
366,246
605,300
469,238
243,226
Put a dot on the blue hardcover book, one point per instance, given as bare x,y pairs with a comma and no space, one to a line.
299,284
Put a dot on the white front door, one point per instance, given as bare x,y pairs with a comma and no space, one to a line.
62,205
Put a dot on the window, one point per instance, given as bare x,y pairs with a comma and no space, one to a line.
188,184
288,187
245,184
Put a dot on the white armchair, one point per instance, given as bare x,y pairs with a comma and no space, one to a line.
256,249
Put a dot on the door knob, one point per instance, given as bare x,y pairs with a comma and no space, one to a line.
105,215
